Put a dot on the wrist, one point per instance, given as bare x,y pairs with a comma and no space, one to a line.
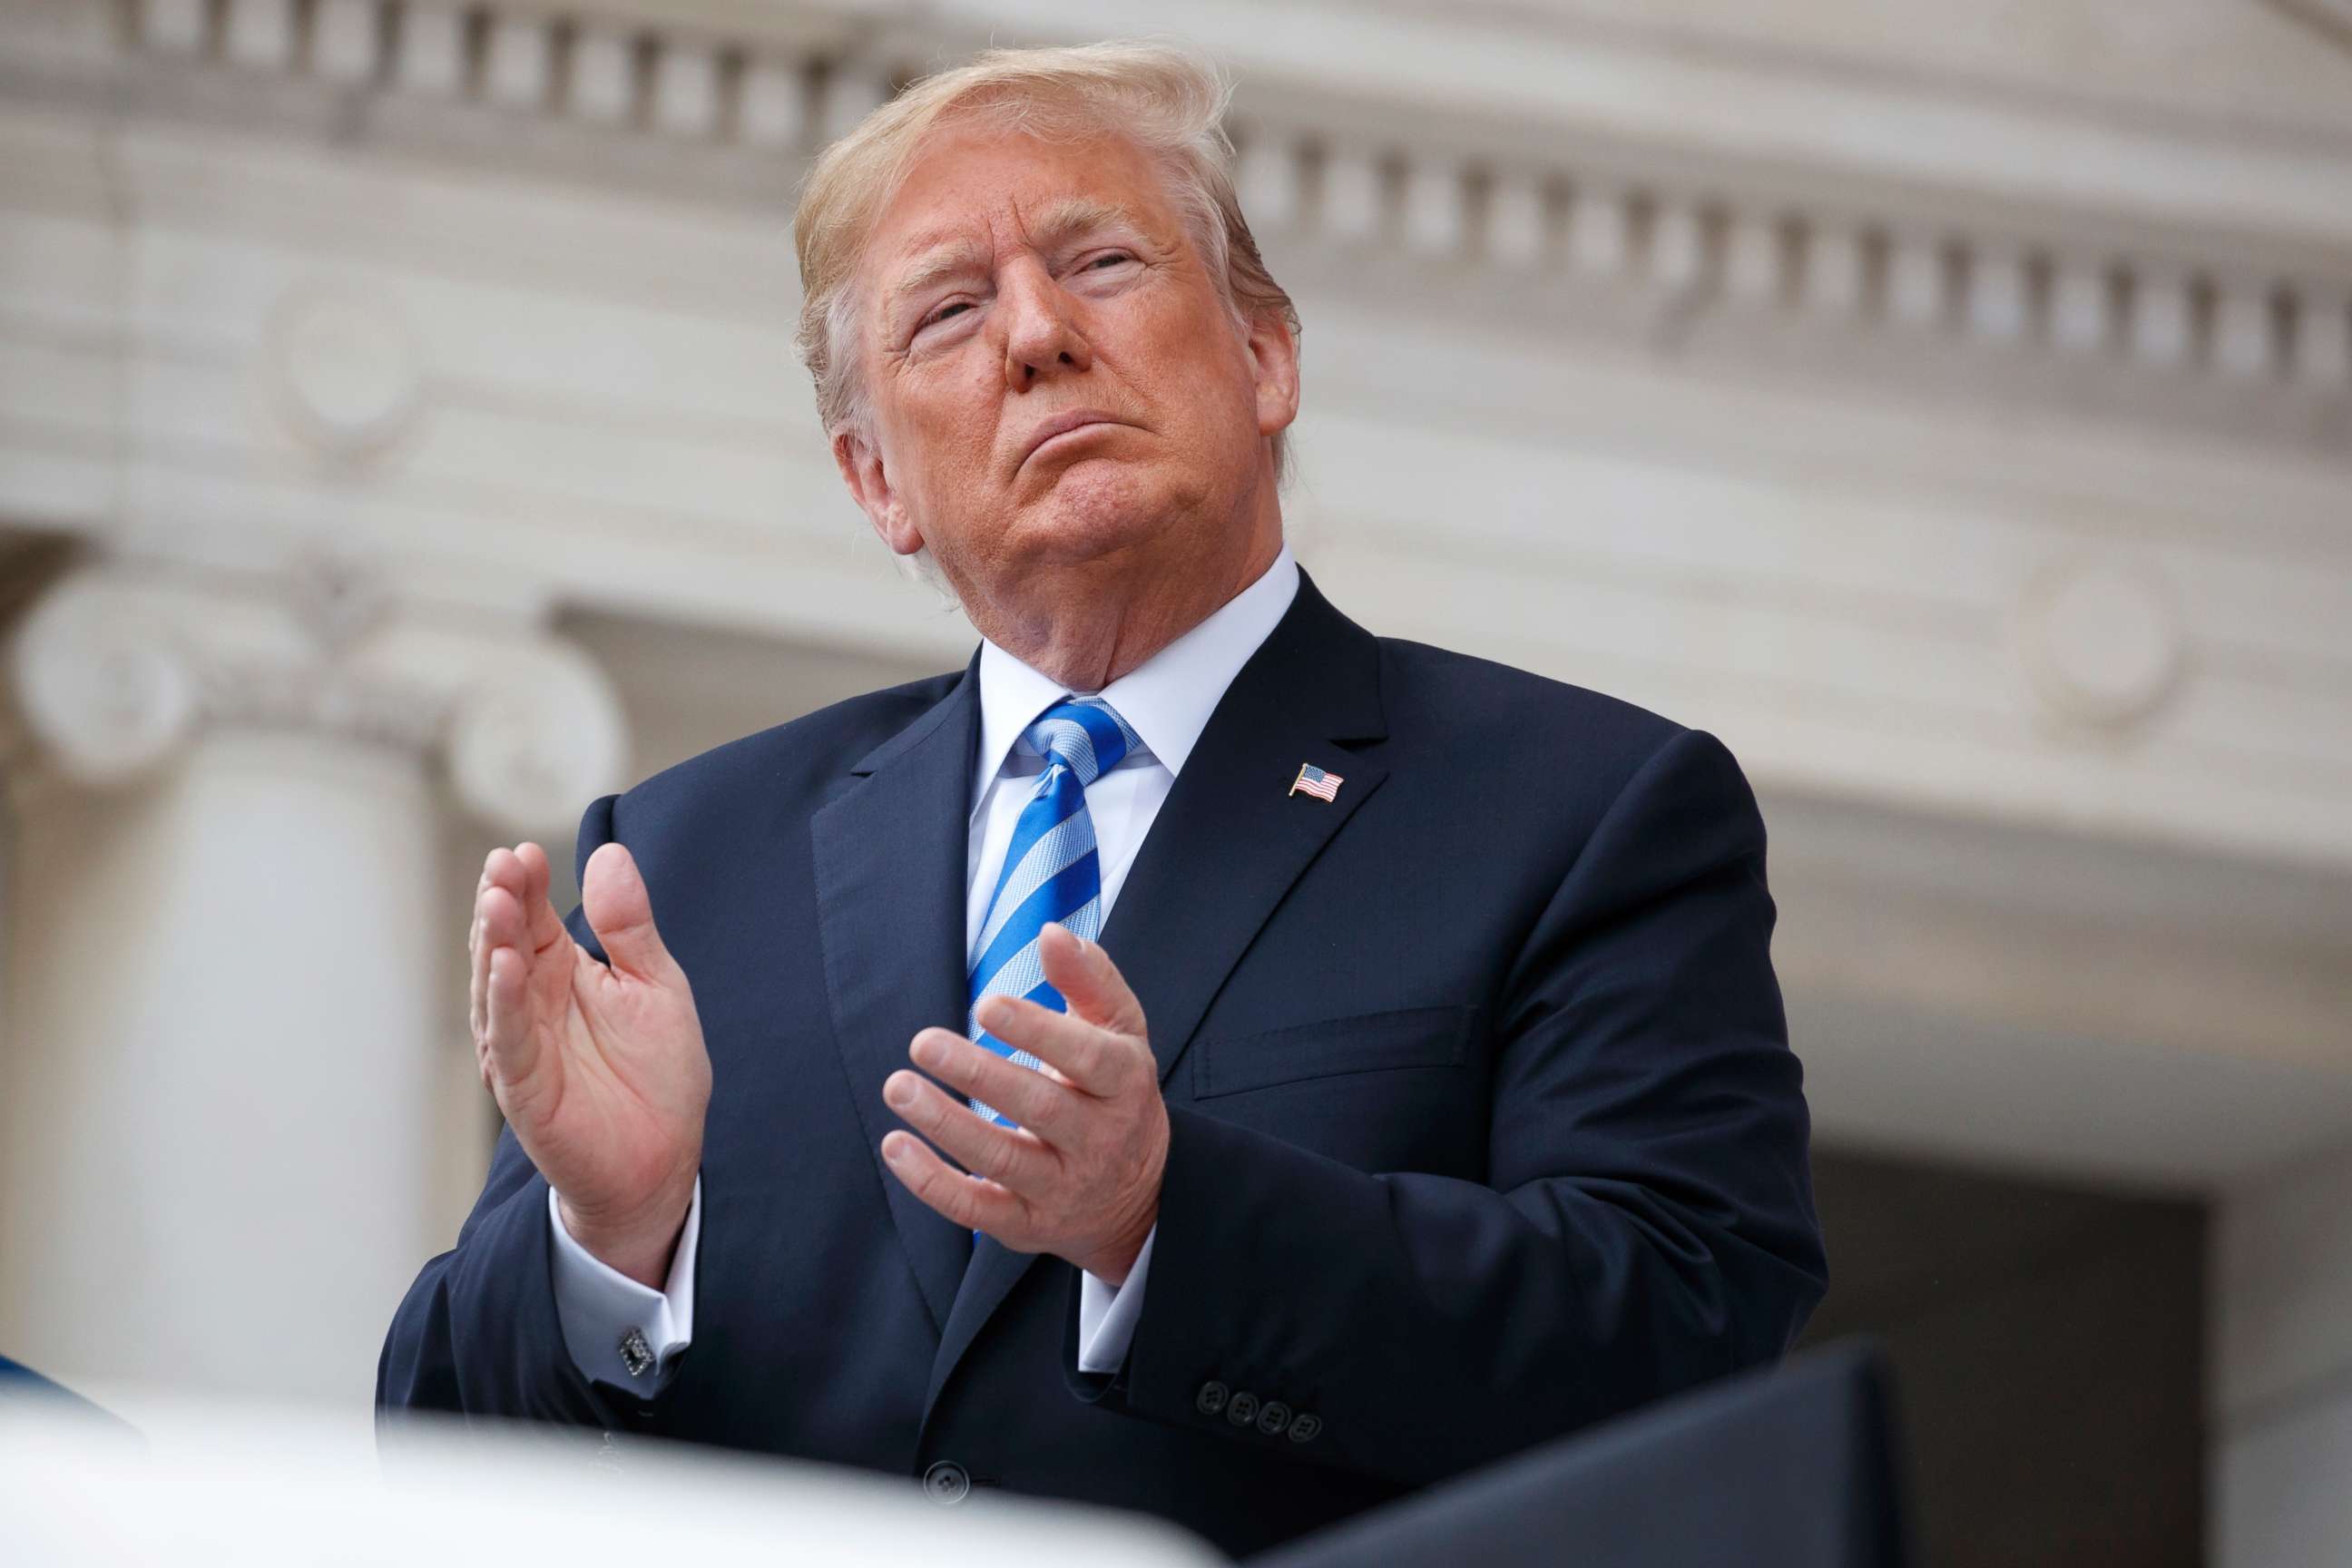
638,1243
1116,1261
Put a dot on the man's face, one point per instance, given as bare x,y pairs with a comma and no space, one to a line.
1014,286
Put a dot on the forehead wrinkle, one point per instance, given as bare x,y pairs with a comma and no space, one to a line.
1076,214
941,261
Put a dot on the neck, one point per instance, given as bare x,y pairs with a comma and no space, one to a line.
1092,636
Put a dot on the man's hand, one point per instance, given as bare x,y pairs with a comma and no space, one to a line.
601,1072
1078,1175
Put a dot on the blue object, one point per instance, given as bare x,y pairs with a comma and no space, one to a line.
1051,869
20,1383
17,1379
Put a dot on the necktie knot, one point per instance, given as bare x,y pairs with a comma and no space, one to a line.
1085,734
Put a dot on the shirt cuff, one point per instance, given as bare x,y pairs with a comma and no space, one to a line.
601,1307
1107,1313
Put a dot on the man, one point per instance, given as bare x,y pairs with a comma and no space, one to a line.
1354,1061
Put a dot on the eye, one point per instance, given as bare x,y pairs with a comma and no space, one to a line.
943,313
1102,261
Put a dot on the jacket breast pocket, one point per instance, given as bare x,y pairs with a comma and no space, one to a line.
1329,1048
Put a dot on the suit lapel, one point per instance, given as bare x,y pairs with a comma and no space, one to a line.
1231,838
890,856
1227,845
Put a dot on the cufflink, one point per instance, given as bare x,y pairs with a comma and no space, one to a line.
636,1355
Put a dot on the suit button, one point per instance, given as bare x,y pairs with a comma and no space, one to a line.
947,1483
1273,1416
1212,1398
1244,1408
1304,1425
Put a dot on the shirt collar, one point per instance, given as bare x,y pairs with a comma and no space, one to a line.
1166,700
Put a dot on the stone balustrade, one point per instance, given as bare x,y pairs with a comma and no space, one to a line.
1724,240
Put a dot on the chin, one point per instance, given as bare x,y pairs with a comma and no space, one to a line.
1098,507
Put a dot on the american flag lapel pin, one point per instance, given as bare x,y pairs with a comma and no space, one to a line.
1317,783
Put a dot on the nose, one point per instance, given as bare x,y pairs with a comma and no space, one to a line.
1042,338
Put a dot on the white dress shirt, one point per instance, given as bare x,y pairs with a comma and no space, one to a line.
1167,702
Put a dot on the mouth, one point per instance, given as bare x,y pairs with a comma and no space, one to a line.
1062,424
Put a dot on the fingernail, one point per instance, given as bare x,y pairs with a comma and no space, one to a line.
926,1050
894,1150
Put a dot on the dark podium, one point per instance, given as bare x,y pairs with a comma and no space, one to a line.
1791,1466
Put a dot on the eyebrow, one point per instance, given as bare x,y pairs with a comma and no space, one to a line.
934,265
1069,216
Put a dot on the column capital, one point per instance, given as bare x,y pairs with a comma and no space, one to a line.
121,663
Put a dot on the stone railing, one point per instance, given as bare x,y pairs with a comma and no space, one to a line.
1693,242
791,91
2055,286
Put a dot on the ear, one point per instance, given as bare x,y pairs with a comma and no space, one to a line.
1273,357
862,469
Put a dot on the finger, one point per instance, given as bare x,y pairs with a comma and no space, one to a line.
474,926
1088,981
502,867
503,873
477,976
973,1202
1008,1155
474,952
501,918
513,1044
493,927
478,992
546,924
620,912
1023,1094
1088,1057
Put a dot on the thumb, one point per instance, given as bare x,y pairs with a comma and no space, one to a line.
620,912
1088,981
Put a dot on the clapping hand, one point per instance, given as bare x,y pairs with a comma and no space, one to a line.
600,1072
1078,1175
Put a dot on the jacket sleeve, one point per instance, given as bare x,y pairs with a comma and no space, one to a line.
1647,1221
479,1334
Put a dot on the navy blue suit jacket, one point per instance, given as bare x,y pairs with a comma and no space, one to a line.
1484,1122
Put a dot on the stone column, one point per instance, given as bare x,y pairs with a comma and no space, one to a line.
229,1018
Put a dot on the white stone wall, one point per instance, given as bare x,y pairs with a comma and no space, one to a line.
1953,412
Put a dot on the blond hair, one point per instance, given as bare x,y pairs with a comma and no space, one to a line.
1165,98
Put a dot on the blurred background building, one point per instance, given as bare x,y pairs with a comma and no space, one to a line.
1950,407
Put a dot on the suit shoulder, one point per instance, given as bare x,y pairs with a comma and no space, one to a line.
1597,755
1484,700
817,745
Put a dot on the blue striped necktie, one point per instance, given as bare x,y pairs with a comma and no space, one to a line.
1051,871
